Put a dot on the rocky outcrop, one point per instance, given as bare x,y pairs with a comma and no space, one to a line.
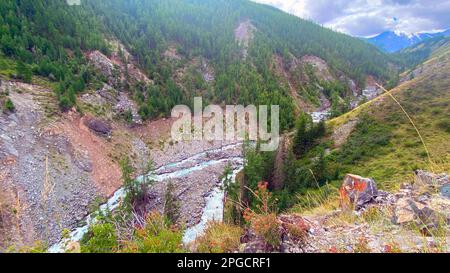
372,90
422,205
108,93
383,222
429,181
198,65
125,105
408,211
207,71
105,66
118,68
343,132
108,97
172,54
321,69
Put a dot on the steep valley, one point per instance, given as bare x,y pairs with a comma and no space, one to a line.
88,163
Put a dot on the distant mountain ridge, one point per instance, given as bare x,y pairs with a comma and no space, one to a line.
391,41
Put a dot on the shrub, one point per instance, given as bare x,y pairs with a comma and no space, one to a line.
171,204
127,116
263,220
268,228
65,104
372,215
157,236
101,238
362,246
445,126
298,231
9,106
307,134
392,248
24,72
136,190
219,238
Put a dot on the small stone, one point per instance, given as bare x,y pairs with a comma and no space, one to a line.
403,212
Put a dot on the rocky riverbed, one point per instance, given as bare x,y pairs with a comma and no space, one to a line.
197,180
55,169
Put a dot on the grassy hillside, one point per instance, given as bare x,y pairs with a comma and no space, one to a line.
387,139
426,99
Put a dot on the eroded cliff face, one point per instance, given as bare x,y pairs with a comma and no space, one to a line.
41,166
306,78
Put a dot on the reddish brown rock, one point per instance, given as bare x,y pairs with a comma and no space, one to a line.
357,191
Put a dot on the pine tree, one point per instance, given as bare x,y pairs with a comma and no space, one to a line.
302,136
24,72
171,204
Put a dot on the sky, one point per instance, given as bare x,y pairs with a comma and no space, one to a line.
367,18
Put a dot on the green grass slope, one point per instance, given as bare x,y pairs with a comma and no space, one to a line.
385,144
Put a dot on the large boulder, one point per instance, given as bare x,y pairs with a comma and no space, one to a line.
357,191
99,127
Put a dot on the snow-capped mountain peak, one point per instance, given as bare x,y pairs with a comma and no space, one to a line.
392,41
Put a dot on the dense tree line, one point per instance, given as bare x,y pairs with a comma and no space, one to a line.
49,38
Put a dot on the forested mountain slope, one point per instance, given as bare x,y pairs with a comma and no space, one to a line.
175,41
416,54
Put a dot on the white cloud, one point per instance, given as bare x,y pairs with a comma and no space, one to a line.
296,7
369,17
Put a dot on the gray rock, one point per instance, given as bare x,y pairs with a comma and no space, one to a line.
420,215
108,93
99,127
430,180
